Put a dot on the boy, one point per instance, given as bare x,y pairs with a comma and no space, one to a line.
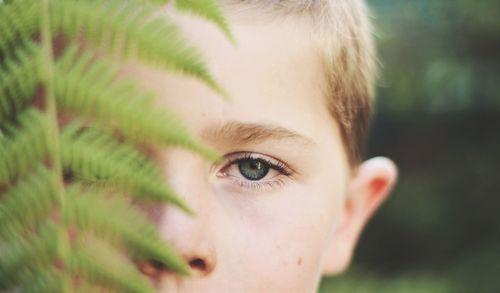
287,202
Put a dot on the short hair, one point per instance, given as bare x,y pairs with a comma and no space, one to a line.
347,54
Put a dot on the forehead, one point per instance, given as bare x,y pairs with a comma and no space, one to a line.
273,75
272,69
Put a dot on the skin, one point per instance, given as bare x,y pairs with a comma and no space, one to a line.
283,232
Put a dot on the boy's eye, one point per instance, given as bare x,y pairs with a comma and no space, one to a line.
253,169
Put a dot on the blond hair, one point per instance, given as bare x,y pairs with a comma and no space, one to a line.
344,35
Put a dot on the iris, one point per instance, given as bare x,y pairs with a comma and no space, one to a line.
253,169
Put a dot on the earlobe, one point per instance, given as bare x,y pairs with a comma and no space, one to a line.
369,187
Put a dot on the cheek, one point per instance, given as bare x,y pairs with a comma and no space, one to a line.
284,232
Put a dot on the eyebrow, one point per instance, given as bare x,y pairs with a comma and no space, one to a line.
239,133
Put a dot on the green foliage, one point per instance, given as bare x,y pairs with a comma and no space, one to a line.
438,56
73,138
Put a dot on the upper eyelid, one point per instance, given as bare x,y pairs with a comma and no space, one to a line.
250,154
269,159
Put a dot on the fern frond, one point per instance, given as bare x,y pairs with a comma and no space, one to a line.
114,219
117,272
67,215
142,35
85,287
95,157
20,256
18,20
88,87
208,9
47,281
25,204
22,144
18,80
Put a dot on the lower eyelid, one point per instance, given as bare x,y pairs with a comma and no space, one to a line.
269,185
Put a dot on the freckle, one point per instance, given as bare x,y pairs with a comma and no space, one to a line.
299,261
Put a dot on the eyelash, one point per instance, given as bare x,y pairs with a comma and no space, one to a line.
274,183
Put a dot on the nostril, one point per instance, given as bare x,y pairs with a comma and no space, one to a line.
158,266
152,269
198,264
155,269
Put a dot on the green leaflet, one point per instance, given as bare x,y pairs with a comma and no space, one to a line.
208,9
46,282
117,273
34,194
111,217
89,287
89,88
22,145
22,257
19,20
18,80
99,158
133,32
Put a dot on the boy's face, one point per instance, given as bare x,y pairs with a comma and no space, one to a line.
272,215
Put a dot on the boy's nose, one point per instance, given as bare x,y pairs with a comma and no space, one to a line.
190,235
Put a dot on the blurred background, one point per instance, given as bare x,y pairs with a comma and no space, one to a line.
438,117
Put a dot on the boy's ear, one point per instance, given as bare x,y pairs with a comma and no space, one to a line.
368,188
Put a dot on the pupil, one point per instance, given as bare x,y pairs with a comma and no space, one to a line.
253,169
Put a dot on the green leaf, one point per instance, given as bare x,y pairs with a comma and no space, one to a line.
18,80
209,9
22,145
88,87
47,281
19,20
97,157
134,31
24,256
115,272
27,203
113,218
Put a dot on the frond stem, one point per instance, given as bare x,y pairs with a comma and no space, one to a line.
47,76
